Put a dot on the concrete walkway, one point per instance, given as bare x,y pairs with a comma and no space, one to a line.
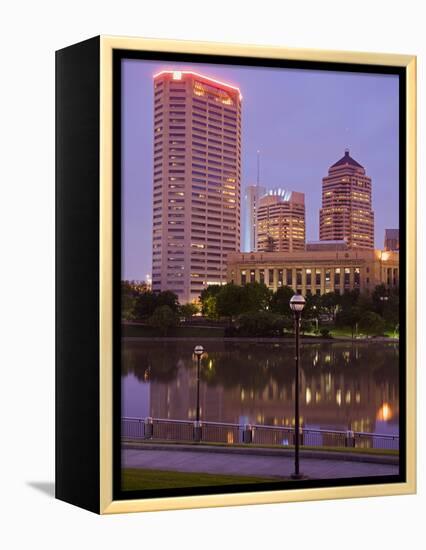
249,464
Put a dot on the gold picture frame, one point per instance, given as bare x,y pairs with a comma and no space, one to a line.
107,46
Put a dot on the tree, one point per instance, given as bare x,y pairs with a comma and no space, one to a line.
256,297
371,324
148,302
329,303
391,311
230,301
130,291
349,298
128,301
188,310
168,298
163,318
305,326
312,308
260,323
379,297
145,305
280,301
208,298
349,317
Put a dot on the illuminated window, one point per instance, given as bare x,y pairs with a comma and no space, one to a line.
347,277
337,276
357,280
318,277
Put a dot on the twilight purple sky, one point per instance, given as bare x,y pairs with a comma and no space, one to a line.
301,121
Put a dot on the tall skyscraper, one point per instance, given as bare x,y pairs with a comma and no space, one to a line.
346,212
392,239
251,198
281,221
197,181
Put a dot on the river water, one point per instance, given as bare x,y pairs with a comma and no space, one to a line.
344,385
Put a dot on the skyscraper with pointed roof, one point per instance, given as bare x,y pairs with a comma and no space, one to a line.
346,212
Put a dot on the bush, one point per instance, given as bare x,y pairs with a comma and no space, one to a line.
325,333
163,318
372,324
262,324
305,326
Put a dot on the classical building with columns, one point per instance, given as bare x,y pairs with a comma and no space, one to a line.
322,267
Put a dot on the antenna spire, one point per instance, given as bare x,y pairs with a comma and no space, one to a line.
258,168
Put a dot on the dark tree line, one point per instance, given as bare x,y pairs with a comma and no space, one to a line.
255,310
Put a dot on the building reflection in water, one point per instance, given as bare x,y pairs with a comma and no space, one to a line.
343,385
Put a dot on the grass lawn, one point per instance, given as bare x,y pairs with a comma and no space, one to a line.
347,332
134,479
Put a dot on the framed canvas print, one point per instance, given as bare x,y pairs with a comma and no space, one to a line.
235,274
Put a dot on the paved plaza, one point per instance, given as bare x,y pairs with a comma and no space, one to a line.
246,464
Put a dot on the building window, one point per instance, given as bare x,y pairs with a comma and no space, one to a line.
389,275
289,277
327,278
318,277
261,276
271,277
243,277
357,280
280,277
395,277
308,277
347,279
298,277
252,276
337,276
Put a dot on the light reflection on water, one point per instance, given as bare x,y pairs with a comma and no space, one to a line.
343,385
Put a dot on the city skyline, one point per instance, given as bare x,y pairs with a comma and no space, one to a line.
296,147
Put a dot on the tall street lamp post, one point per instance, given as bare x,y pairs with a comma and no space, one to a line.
198,352
297,303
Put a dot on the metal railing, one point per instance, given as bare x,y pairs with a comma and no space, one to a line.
221,432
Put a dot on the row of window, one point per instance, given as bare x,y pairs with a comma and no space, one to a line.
312,277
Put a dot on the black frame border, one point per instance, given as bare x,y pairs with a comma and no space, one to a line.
118,56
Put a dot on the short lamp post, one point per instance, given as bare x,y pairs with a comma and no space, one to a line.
198,352
316,317
297,303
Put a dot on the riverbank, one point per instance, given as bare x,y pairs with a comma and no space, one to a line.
276,340
188,332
